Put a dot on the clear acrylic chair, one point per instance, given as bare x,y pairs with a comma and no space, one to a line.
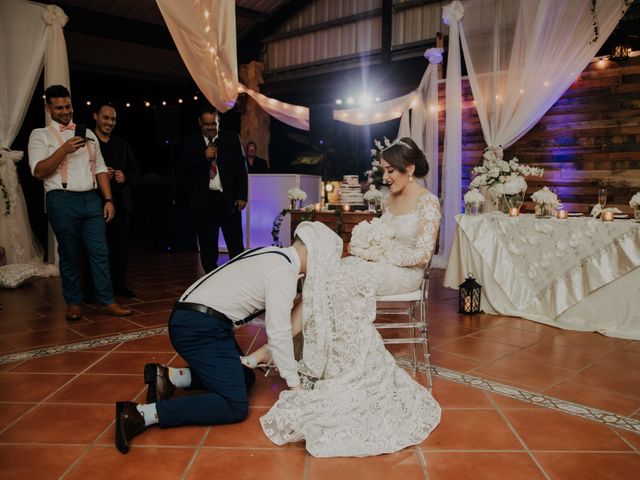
413,331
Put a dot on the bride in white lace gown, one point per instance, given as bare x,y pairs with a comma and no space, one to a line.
356,400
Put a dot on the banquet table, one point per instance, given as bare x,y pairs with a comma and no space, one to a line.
578,273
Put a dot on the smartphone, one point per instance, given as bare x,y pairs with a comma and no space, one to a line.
81,131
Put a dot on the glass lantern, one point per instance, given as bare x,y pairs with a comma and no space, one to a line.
469,296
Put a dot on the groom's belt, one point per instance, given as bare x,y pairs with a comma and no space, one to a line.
212,312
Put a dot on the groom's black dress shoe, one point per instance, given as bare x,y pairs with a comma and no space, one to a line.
129,423
156,377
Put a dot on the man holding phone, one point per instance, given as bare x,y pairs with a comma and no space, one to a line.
68,159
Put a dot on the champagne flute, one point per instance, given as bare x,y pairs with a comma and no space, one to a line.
602,197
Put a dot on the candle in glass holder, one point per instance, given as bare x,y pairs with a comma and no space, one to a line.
318,207
562,214
514,211
607,216
346,207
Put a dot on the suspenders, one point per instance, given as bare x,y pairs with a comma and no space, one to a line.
247,254
64,166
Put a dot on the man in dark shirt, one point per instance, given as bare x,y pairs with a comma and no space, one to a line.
122,170
255,164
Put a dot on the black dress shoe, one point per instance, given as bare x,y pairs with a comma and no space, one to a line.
129,423
125,292
156,376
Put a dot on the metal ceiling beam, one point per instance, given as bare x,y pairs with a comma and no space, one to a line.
249,45
103,25
252,14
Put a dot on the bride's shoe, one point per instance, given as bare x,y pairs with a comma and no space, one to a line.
249,361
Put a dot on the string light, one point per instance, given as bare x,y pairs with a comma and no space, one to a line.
147,104
127,104
179,100
338,101
88,103
164,103
195,97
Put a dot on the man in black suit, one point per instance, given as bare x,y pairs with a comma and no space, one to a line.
255,164
215,165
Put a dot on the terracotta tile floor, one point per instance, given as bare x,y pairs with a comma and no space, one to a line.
56,411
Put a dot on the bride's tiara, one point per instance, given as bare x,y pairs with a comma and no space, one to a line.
397,141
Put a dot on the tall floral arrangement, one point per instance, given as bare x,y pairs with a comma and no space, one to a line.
376,172
502,176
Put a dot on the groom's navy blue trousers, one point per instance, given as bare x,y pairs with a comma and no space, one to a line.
209,346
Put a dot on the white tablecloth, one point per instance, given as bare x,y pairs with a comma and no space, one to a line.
579,274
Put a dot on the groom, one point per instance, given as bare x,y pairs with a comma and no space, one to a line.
201,329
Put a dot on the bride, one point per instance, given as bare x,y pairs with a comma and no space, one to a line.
356,401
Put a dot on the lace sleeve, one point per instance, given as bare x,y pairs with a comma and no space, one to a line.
404,255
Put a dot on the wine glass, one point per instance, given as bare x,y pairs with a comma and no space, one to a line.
602,197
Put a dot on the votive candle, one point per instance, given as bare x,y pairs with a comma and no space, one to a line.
607,216
318,207
346,207
514,212
562,214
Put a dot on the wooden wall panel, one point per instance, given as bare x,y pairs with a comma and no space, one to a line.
589,139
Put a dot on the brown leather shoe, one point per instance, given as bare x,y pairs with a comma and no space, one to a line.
156,376
73,312
129,423
115,310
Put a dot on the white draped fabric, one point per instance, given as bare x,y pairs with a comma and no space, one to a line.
205,34
580,274
452,158
522,55
421,121
30,35
293,115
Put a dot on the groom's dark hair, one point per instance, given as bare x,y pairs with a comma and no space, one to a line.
405,152
56,91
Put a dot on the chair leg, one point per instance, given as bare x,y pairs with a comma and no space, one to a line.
425,342
414,355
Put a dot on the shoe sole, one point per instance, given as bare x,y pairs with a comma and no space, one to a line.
150,374
121,442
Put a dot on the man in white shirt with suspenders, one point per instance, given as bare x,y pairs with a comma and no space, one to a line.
201,329
71,166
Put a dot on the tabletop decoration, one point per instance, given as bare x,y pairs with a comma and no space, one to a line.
473,200
546,201
296,196
373,197
597,210
494,172
635,203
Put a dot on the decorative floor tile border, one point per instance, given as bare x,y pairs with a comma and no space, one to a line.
86,344
583,411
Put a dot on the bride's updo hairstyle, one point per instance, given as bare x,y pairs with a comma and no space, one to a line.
405,152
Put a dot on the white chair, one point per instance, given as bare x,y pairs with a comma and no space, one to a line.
413,306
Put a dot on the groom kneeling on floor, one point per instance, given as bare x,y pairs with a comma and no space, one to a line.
201,329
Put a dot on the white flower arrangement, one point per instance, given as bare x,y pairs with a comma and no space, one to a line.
635,201
296,194
373,195
474,196
370,240
544,196
374,175
495,172
597,210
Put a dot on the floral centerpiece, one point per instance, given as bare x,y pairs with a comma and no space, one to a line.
635,203
472,201
370,240
375,174
296,196
546,201
373,197
495,172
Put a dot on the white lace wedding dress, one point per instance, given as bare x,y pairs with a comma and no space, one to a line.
357,401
